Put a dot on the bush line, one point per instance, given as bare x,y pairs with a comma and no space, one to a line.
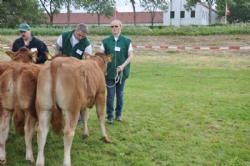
143,30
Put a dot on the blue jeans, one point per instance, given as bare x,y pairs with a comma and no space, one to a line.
113,90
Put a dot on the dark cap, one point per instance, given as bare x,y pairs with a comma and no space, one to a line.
24,27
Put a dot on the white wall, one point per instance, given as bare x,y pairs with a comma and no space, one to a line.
201,15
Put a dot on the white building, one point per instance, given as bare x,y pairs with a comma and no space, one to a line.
177,15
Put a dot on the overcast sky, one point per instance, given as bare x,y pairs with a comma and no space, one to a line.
121,6
126,6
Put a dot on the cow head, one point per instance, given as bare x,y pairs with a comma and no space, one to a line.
23,55
101,59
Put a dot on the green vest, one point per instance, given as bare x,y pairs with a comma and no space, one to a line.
76,51
118,57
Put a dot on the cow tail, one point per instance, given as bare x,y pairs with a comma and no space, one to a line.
18,115
19,120
1,106
56,112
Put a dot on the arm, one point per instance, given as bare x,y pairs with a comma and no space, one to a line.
14,46
58,45
42,51
128,60
88,50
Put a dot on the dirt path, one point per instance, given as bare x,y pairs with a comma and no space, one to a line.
216,40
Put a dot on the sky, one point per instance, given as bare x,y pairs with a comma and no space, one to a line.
126,6
121,6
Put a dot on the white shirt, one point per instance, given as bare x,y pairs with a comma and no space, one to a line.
74,41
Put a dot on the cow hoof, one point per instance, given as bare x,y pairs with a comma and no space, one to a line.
2,162
31,160
84,136
106,140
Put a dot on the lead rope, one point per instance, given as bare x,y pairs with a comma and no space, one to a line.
118,79
118,76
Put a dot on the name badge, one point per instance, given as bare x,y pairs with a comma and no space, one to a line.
79,52
33,49
117,49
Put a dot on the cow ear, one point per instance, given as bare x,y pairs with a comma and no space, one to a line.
34,55
109,58
11,54
48,56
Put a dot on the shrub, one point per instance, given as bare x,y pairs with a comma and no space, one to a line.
143,30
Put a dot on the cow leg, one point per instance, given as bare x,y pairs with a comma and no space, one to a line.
71,120
43,129
29,130
4,132
85,117
100,102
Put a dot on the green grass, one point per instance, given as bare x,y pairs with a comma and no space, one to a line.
176,113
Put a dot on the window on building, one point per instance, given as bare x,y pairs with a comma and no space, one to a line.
192,14
172,14
182,14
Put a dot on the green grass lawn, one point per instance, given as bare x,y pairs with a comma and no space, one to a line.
179,110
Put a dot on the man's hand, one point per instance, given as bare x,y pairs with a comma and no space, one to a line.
119,68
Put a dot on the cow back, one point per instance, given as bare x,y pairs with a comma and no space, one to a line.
18,91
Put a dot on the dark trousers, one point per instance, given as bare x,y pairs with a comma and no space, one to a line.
112,90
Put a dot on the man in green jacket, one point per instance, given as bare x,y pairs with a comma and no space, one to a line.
74,43
121,50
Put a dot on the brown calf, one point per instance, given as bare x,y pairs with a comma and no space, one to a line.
65,87
17,98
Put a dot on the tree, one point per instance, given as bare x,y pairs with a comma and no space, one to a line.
51,7
210,3
152,6
68,4
98,7
13,12
239,10
134,12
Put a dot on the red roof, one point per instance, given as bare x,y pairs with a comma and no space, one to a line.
125,17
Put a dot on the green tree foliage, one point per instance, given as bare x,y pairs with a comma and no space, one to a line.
98,7
152,6
68,4
13,12
239,10
51,7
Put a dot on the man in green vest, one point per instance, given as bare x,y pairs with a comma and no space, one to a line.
121,50
74,43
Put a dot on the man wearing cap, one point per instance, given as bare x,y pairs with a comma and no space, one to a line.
74,43
29,41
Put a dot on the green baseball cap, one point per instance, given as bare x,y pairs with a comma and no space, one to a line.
24,27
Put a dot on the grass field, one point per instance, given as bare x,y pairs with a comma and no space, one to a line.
181,108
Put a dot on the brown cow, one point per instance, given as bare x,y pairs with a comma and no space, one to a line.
65,87
17,98
22,55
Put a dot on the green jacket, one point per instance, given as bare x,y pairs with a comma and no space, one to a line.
76,51
118,57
